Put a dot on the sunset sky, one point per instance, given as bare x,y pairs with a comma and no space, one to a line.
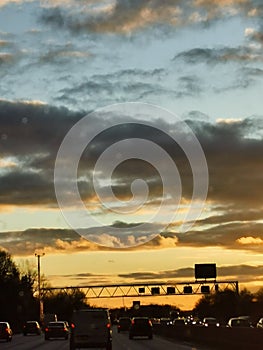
196,66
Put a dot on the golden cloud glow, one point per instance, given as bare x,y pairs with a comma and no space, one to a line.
228,120
249,240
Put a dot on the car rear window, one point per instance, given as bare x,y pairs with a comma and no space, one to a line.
56,324
141,321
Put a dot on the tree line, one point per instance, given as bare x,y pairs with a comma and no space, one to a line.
227,303
19,300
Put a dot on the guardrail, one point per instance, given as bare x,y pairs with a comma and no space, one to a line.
217,337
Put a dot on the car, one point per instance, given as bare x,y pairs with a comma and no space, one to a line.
141,326
91,328
123,324
210,322
260,323
6,332
165,321
56,330
31,327
179,322
238,322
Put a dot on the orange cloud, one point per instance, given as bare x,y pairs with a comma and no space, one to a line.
249,240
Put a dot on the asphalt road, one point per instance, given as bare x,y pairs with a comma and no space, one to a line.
121,341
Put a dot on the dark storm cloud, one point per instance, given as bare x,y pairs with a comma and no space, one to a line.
32,133
236,235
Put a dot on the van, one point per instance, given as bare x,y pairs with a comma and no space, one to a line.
91,328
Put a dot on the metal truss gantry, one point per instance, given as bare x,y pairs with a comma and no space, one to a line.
134,290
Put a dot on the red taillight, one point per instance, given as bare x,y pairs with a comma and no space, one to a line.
133,322
46,329
108,325
72,325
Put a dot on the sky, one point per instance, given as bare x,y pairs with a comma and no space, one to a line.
131,139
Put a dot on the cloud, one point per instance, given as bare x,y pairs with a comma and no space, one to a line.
254,35
219,55
31,133
125,17
242,273
250,240
233,236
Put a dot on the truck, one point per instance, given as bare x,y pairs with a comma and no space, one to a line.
91,328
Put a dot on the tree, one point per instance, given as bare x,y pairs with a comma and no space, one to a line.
222,305
9,287
64,302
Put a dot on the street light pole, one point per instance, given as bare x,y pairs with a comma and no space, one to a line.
39,285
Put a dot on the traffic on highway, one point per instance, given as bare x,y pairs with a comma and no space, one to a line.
120,341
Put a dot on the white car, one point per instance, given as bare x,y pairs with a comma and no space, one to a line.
238,322
210,322
260,323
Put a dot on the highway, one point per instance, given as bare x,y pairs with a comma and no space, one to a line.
121,341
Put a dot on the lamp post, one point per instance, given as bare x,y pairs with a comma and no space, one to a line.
38,256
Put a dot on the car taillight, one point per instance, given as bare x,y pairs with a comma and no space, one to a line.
72,325
108,325
46,329
132,322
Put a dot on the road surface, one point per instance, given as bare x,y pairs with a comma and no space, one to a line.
121,341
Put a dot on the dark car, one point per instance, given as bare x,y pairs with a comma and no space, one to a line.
141,326
91,328
31,327
123,324
179,322
5,331
56,330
